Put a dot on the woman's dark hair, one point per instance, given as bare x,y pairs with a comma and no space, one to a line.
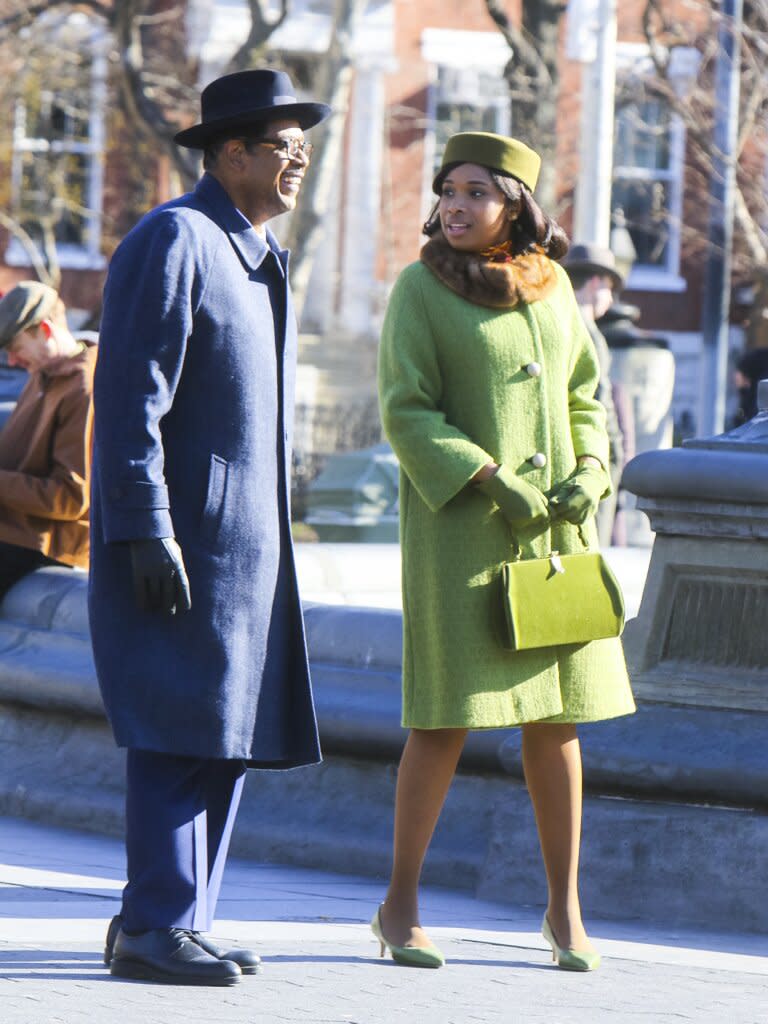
530,230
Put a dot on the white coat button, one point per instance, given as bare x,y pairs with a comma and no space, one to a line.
533,369
539,460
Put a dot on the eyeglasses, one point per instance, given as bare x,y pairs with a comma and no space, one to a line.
285,147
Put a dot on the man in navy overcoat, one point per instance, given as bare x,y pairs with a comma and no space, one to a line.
195,617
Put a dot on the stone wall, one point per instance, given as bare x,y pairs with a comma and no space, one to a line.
675,812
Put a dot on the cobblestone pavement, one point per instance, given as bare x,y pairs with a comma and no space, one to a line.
58,889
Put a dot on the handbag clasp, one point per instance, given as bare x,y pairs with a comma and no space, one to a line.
554,561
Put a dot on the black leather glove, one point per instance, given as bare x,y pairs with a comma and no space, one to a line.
160,581
521,504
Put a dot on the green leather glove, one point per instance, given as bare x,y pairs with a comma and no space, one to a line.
521,504
576,499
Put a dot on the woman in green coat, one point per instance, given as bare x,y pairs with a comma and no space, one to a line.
487,379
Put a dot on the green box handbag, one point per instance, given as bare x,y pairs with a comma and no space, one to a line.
562,599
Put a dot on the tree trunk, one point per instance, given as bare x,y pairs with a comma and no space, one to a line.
334,86
538,120
533,78
146,114
260,31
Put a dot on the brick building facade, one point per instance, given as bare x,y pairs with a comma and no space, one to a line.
422,70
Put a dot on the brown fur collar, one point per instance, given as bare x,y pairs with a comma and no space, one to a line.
494,281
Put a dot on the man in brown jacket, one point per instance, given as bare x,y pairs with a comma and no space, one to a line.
45,446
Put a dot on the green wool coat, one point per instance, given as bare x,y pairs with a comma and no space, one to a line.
455,394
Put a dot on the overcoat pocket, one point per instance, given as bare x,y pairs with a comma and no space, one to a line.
215,495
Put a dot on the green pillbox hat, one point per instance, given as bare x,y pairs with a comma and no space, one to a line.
496,152
24,306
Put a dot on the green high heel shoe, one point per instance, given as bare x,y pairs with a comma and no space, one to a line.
569,959
408,956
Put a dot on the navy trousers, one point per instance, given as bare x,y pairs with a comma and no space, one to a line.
179,817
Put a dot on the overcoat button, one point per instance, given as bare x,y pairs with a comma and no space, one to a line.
539,460
533,369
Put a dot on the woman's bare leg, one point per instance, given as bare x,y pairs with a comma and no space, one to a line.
426,770
552,764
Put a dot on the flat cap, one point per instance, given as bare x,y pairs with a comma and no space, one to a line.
496,152
25,305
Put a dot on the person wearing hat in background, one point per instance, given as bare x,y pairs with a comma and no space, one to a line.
751,368
45,445
195,618
595,280
487,379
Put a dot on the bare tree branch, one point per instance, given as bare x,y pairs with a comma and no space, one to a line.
532,76
146,113
260,31
755,239
335,86
44,264
694,107
523,49
30,12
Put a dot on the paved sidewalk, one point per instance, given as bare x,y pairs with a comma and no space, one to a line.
58,889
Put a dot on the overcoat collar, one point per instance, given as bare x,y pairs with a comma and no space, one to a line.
247,242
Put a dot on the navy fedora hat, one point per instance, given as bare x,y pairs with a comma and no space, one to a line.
244,98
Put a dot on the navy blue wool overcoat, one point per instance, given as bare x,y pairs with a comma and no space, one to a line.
193,413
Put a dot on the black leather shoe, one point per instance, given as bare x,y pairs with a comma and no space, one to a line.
169,955
109,943
248,961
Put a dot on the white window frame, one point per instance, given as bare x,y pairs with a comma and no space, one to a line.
644,277
87,256
470,53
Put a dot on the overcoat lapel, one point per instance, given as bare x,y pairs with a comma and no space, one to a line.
246,242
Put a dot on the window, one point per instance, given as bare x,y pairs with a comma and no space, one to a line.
468,92
468,100
648,168
646,183
58,140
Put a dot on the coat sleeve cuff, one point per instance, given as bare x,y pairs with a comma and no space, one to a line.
437,489
135,510
588,441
